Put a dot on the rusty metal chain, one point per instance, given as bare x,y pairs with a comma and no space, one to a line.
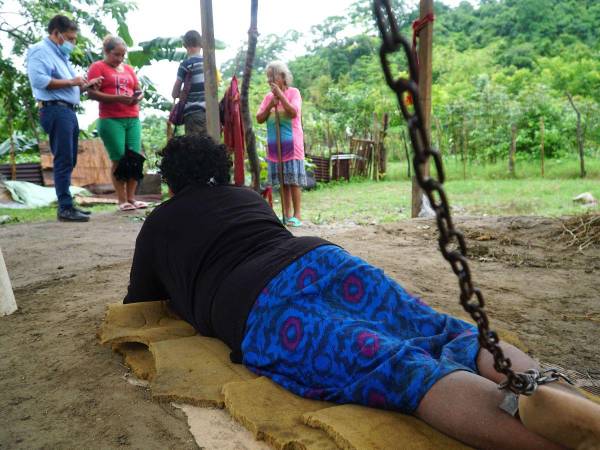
451,241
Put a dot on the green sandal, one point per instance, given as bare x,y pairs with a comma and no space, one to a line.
293,222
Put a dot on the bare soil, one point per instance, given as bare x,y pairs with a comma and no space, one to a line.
60,389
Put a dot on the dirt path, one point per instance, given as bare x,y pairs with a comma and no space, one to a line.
60,389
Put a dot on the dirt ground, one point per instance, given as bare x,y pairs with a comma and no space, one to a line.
60,389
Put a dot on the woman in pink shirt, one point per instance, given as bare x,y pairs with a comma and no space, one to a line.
288,103
119,124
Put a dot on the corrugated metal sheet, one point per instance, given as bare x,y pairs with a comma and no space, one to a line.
31,172
321,168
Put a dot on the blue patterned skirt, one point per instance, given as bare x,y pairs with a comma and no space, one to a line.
332,327
294,173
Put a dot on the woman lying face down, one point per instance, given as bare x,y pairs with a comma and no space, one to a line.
302,311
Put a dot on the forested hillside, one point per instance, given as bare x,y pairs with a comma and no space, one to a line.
502,65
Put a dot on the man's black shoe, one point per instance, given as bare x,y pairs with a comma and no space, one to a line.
71,215
82,211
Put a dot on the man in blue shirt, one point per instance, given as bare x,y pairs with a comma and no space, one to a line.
57,88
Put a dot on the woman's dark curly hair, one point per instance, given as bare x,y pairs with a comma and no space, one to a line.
193,160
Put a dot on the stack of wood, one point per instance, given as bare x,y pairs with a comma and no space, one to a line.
93,166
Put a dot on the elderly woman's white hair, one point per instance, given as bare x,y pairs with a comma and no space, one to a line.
281,68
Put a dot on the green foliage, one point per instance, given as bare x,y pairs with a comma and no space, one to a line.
154,138
21,143
270,48
161,48
504,63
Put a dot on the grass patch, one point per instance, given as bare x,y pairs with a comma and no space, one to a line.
489,192
43,214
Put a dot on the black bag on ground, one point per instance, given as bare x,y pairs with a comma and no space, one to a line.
131,166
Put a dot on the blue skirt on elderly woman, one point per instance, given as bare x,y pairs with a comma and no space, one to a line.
294,173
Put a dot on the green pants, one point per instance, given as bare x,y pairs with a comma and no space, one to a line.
118,134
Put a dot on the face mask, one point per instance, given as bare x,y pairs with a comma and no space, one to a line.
66,47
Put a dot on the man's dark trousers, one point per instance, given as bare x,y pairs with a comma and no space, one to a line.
60,123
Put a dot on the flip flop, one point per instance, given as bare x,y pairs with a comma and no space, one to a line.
293,222
137,204
126,207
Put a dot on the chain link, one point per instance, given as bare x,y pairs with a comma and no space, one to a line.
451,241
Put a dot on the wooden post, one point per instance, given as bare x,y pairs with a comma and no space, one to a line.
513,149
282,188
438,128
579,137
249,135
328,136
407,153
542,144
170,131
425,59
465,147
213,127
11,137
8,305
382,148
375,152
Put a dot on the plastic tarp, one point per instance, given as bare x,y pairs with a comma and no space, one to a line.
35,196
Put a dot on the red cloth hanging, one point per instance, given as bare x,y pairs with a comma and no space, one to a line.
267,194
417,26
233,130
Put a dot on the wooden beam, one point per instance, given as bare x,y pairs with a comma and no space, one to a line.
213,127
425,60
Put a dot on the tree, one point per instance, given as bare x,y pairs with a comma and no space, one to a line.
34,16
269,48
249,137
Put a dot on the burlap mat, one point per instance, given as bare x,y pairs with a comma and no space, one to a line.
183,366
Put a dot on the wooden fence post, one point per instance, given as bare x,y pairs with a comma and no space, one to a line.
465,147
425,77
213,127
513,149
579,137
8,305
542,143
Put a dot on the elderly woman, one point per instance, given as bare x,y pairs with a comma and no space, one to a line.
307,314
282,108
119,124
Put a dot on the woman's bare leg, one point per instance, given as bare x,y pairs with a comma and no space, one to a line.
118,184
520,363
296,194
556,410
465,406
519,360
288,200
131,186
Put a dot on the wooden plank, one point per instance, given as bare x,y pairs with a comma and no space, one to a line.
425,61
210,71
